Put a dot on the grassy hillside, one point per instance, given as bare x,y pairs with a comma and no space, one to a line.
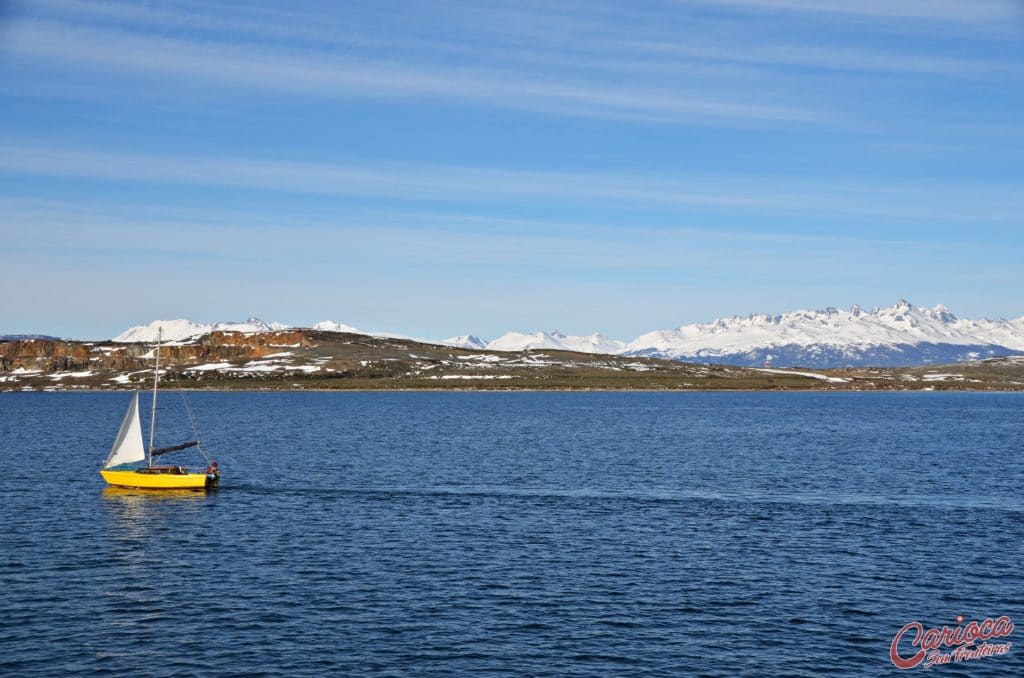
305,359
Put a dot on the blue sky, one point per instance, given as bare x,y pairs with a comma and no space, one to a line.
436,168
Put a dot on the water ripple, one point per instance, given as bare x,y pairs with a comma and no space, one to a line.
570,534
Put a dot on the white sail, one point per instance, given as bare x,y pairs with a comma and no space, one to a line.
128,446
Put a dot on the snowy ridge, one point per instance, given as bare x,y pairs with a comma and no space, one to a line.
898,335
594,343
899,324
331,326
181,329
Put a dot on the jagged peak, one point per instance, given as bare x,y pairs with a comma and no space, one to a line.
942,313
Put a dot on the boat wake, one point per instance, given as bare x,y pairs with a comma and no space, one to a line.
657,497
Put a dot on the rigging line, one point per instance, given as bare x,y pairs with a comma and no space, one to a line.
192,420
191,417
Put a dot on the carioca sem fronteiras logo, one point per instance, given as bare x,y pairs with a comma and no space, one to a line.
947,645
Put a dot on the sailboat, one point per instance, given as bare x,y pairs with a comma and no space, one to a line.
121,468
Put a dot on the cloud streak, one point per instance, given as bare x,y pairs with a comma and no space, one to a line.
191,61
952,11
138,226
548,59
469,185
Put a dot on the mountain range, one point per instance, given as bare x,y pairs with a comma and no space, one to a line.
885,337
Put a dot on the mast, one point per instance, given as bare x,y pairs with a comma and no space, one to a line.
156,381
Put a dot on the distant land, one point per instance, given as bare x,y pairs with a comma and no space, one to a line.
896,336
297,359
842,347
15,337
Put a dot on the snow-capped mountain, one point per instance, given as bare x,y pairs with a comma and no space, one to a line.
898,335
886,337
181,329
594,343
466,341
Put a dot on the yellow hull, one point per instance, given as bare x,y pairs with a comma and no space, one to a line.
160,481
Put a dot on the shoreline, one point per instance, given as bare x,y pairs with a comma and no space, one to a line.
524,390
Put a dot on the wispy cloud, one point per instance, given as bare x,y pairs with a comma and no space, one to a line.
218,231
954,11
557,59
318,75
940,202
527,34
832,57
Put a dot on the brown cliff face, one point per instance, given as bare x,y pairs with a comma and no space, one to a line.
34,354
63,356
260,343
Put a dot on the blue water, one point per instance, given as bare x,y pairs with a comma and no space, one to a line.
531,533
